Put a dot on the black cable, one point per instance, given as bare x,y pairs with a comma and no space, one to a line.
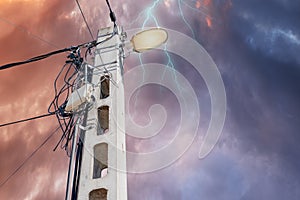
65,119
95,43
70,167
84,19
66,134
105,40
64,88
28,119
30,156
111,13
69,73
77,170
34,59
41,57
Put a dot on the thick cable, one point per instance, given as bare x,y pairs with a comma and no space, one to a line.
34,59
41,57
111,13
28,119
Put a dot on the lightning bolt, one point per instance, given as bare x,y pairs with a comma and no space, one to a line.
150,18
183,18
149,14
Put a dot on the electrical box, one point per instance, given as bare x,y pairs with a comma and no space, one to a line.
78,97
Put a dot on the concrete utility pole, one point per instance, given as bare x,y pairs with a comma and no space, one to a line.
102,172
97,167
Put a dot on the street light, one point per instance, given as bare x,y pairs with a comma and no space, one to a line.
148,39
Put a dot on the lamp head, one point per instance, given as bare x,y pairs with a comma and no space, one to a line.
149,39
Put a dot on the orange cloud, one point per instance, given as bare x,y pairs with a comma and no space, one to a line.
207,2
27,91
198,4
208,21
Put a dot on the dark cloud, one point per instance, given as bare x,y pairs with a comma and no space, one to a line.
269,27
263,90
255,46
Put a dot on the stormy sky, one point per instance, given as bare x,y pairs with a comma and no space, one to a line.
255,45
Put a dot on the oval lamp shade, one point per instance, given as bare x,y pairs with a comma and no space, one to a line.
149,39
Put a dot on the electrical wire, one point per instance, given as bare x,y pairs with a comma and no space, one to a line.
95,43
28,119
111,14
89,44
30,156
87,25
23,29
34,59
66,120
41,57
69,73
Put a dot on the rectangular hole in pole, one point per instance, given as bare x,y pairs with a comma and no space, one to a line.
103,119
99,194
100,160
104,89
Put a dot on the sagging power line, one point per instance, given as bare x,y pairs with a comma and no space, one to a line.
87,25
28,119
28,158
43,56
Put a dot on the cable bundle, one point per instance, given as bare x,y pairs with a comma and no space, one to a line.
67,120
